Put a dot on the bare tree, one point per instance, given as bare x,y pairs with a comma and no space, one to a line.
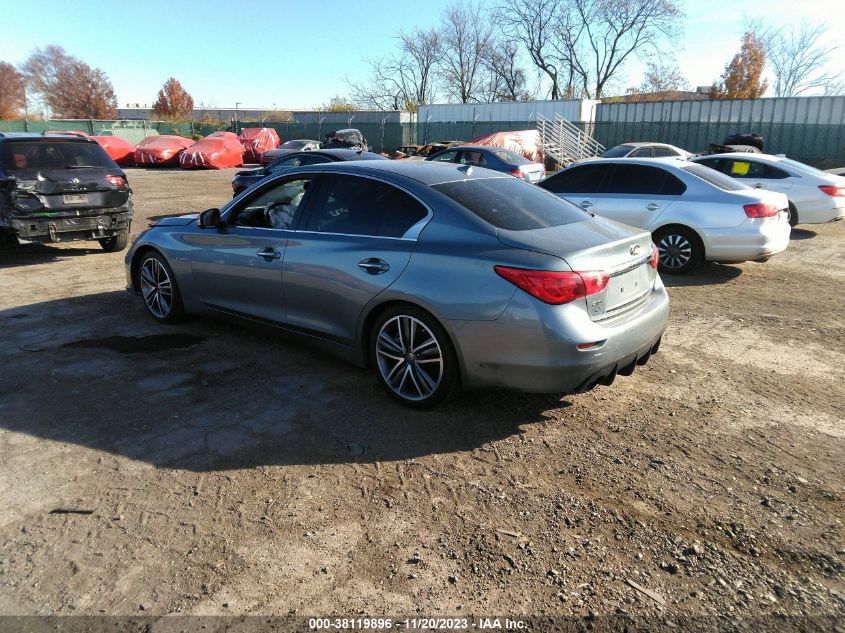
599,36
661,82
506,78
798,59
69,87
466,33
405,79
535,25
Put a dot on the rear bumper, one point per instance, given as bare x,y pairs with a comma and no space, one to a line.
754,239
829,210
532,346
41,229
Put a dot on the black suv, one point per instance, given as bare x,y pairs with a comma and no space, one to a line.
56,188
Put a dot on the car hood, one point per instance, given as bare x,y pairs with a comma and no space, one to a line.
177,220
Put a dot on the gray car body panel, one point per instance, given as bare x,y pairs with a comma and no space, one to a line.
502,336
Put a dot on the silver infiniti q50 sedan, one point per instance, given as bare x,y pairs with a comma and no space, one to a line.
436,276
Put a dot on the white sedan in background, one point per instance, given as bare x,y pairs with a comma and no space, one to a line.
645,150
815,196
694,213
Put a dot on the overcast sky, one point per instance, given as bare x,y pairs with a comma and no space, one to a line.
286,54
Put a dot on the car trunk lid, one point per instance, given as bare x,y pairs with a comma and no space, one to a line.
81,190
601,245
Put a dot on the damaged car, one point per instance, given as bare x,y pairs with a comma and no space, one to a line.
62,188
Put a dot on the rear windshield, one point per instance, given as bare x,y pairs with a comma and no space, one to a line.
617,152
513,158
715,178
38,155
512,204
805,168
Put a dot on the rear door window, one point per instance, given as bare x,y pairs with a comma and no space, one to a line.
662,152
472,158
643,180
580,179
643,152
352,205
510,203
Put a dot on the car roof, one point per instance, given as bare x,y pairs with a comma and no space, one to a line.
421,171
745,156
662,161
35,136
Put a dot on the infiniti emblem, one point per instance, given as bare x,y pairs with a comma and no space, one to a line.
74,181
635,249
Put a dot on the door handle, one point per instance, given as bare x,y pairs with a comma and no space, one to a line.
758,185
586,204
374,266
269,253
652,206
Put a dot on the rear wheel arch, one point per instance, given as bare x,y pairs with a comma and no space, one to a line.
377,310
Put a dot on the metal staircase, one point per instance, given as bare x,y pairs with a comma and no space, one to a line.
564,142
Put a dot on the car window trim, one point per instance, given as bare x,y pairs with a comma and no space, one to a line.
413,232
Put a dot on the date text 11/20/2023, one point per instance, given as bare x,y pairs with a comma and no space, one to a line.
416,624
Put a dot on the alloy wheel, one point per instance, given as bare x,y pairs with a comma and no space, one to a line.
675,251
409,358
156,288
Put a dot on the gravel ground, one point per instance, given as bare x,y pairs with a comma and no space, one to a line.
210,469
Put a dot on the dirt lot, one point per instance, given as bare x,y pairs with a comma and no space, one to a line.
223,470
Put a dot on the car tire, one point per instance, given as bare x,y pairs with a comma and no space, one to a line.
159,289
116,243
680,250
413,357
793,215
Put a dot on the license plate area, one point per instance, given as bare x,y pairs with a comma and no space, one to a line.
75,198
627,287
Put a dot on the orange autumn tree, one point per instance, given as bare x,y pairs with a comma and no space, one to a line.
743,76
173,101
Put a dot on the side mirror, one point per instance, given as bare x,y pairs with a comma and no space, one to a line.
210,218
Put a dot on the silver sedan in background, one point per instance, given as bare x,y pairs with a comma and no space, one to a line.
436,276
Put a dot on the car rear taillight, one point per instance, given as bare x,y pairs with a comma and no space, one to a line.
836,192
517,173
555,287
117,181
760,210
654,260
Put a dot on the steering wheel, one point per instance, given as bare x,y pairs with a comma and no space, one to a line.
271,206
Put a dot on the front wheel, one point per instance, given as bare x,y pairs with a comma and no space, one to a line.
413,357
115,243
679,250
159,289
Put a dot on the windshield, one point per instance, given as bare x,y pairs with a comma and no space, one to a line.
512,204
617,152
37,155
293,144
805,168
715,178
